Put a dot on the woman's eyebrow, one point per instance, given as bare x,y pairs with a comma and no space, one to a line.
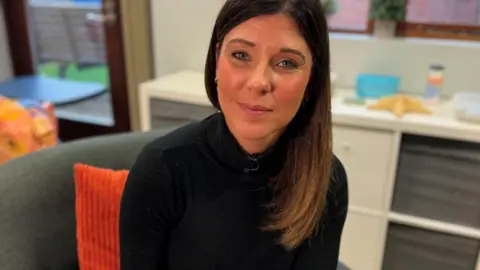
243,41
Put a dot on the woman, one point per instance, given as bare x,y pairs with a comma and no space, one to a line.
255,186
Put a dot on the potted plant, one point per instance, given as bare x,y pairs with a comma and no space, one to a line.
386,14
329,6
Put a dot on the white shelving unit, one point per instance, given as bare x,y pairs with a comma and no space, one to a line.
368,143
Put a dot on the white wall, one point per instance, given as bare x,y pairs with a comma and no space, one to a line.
181,33
407,58
5,62
182,29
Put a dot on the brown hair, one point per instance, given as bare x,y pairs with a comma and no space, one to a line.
301,186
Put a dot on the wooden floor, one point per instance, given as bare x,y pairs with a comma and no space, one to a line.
96,110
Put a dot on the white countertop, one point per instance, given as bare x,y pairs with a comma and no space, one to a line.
188,86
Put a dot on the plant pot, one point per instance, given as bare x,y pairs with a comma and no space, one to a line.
385,28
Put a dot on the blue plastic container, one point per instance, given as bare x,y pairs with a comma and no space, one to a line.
87,1
376,86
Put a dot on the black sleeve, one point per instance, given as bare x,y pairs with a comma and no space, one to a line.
322,250
147,213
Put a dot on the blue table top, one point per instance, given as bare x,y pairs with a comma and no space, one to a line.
56,91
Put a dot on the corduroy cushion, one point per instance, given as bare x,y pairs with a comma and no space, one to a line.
98,192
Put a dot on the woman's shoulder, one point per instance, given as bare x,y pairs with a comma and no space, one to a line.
175,149
337,197
339,174
158,159
180,138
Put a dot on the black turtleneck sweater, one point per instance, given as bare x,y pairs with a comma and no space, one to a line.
195,200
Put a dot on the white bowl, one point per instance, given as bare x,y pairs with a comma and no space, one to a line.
467,106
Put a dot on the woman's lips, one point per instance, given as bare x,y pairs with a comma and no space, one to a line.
254,109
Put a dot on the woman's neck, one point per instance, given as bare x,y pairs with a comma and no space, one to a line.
255,145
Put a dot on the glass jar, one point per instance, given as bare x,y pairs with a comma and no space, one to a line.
434,86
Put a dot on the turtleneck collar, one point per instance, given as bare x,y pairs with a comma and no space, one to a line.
225,149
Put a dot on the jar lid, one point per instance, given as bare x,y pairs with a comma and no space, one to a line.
437,67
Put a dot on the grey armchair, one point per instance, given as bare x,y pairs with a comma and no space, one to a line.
37,202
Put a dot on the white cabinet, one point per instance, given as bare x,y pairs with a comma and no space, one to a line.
361,241
367,156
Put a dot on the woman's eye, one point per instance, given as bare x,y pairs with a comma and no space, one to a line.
288,64
240,56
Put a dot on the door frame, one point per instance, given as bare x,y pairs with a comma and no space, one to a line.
16,22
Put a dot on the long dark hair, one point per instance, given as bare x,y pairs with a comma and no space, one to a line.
301,187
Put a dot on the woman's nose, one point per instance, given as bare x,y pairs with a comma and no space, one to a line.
260,80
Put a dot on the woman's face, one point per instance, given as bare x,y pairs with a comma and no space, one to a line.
263,69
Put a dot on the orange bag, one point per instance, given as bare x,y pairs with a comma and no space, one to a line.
25,126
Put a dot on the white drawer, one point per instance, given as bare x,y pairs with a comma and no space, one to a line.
366,155
478,261
361,243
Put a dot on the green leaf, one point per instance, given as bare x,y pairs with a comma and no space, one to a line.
393,10
330,6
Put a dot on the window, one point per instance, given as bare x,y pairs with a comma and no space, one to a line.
450,19
444,19
351,16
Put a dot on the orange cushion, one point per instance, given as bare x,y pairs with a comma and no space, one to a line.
98,192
